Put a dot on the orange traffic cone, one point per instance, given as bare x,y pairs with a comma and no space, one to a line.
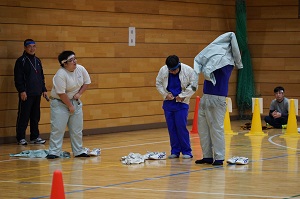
57,191
195,121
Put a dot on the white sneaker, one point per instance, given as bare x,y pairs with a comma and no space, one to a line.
187,156
172,156
148,154
95,152
242,161
232,160
38,141
157,156
22,142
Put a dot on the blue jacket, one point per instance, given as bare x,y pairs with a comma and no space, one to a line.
29,75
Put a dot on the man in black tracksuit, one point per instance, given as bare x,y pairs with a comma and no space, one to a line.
30,84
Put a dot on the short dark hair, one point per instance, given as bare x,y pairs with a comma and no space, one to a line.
278,88
64,56
172,61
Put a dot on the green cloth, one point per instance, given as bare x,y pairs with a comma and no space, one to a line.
245,83
41,153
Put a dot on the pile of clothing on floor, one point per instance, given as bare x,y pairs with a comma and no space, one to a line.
42,153
247,126
137,158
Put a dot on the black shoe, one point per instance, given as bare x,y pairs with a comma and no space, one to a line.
204,161
218,162
52,156
82,155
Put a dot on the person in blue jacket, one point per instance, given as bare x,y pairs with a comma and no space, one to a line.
173,82
30,84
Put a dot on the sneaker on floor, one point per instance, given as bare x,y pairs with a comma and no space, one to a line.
232,160
283,126
157,156
52,156
95,152
187,156
205,161
38,141
82,155
242,161
22,142
172,156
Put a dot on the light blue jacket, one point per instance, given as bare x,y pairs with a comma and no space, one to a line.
186,76
224,50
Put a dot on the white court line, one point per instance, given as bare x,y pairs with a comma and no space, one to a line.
153,190
271,141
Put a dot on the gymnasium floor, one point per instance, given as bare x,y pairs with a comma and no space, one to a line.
273,170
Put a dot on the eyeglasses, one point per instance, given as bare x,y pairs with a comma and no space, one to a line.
72,59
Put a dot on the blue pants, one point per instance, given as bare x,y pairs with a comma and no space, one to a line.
179,135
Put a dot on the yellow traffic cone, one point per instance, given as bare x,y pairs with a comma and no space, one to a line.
291,129
227,124
256,127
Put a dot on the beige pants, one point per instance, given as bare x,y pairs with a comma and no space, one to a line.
60,119
211,115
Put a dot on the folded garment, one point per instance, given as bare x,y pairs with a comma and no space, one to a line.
40,153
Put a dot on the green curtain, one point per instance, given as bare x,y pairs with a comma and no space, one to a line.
245,84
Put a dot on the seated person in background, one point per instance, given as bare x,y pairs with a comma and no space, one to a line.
278,115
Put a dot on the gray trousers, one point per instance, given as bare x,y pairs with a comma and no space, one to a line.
211,115
60,119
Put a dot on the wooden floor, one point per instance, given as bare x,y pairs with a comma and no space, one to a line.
273,170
